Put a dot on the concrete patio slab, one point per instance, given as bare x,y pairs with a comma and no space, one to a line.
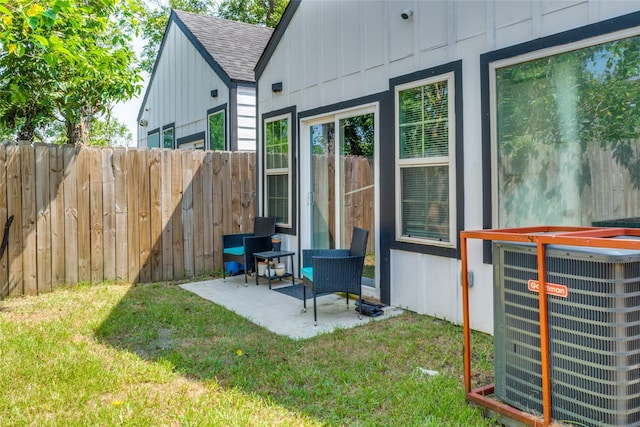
280,313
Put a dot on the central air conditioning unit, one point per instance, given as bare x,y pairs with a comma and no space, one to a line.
593,299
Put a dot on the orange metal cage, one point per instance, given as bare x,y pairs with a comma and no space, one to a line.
540,236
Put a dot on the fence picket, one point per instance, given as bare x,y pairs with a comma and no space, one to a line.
70,191
176,216
109,214
207,210
228,225
218,206
29,251
4,265
133,236
14,207
56,198
96,209
187,212
166,211
43,221
155,214
144,220
83,183
196,185
121,210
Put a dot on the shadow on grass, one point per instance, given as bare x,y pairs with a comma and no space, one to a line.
366,375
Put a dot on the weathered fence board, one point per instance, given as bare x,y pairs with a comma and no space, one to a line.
70,216
133,228
166,212
227,193
29,250
187,213
14,207
207,210
121,209
4,265
144,211
96,207
155,217
198,235
217,207
176,215
109,215
91,214
56,197
43,221
84,214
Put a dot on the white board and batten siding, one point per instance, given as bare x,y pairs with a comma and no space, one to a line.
335,51
180,91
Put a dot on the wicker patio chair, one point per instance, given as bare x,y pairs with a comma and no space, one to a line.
335,270
241,247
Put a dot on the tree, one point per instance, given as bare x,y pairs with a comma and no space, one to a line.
106,131
154,20
109,131
65,58
359,135
258,12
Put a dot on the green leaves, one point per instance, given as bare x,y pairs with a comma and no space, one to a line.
68,58
42,41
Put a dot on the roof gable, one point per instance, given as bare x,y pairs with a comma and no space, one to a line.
231,48
235,47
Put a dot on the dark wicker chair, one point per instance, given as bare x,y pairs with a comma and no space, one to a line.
241,247
335,270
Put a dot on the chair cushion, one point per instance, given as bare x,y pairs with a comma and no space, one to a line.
238,250
307,272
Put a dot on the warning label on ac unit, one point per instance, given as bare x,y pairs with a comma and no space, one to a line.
551,288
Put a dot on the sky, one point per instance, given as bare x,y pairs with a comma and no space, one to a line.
127,112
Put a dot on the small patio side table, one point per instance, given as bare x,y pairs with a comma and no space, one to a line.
269,256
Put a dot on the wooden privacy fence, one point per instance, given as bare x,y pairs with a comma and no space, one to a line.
138,215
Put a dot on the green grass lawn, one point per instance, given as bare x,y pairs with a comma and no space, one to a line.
145,355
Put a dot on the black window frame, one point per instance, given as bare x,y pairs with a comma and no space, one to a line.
217,110
568,37
428,247
173,135
292,227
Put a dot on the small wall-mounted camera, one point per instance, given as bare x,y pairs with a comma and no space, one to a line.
144,123
407,13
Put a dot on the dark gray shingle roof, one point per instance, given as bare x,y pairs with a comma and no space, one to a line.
235,46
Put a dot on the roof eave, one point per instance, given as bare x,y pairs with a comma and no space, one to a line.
274,40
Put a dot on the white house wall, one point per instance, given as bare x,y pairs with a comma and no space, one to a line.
180,91
336,51
246,109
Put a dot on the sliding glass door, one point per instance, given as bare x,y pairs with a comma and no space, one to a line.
342,177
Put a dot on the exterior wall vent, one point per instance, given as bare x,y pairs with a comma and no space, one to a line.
594,333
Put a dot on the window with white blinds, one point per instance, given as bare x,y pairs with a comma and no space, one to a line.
277,169
424,155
